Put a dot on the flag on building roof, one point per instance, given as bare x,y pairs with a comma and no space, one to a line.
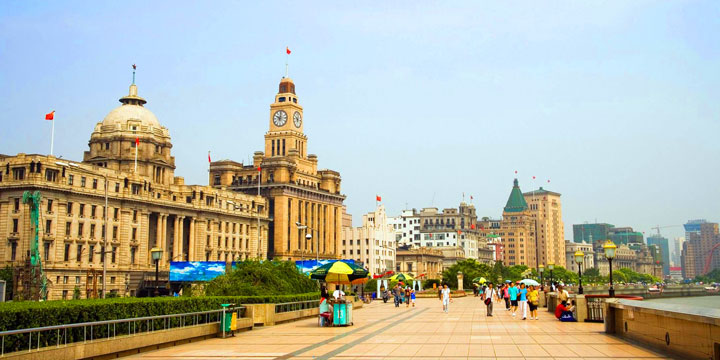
50,115
209,157
259,168
137,142
378,198
287,50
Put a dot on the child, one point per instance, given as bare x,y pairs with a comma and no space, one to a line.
412,297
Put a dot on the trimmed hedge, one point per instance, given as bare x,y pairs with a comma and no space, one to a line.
30,314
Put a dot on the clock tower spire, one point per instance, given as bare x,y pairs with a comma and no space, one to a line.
286,123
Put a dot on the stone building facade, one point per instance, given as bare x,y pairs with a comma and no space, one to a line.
517,230
422,262
147,206
373,243
588,260
297,191
546,209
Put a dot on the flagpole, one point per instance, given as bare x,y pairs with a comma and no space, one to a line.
52,136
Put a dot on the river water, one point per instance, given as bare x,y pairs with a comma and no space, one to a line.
712,302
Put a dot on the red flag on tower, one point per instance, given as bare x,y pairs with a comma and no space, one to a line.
259,169
137,141
378,198
209,161
533,177
50,116
472,226
287,50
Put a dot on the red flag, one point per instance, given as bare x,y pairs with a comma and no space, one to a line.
459,232
471,197
472,226
137,141
259,168
533,177
134,67
287,50
516,171
209,161
548,181
378,198
50,116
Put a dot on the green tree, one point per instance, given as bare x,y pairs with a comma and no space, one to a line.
470,269
711,277
261,278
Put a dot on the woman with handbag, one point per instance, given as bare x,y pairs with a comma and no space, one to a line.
489,295
533,302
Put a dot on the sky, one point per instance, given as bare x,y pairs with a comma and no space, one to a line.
615,102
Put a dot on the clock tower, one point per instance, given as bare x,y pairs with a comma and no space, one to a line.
286,123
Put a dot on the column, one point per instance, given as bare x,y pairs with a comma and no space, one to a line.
301,236
338,227
191,242
180,229
166,253
321,229
158,232
176,246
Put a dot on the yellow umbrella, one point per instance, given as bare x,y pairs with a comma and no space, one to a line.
340,272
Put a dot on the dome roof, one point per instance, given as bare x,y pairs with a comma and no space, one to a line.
125,112
131,109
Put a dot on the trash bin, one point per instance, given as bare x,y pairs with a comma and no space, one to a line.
228,322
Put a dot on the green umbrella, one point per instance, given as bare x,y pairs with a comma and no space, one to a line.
339,272
401,277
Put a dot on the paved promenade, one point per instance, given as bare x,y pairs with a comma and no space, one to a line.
382,331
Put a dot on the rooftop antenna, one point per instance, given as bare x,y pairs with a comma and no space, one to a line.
134,68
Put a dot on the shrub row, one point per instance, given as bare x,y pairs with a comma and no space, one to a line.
23,315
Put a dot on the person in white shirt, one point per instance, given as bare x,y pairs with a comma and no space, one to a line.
338,294
489,295
445,298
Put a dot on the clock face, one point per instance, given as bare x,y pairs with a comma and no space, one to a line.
297,119
280,118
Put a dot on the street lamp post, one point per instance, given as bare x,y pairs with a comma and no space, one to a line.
579,257
550,267
308,237
156,256
609,249
541,269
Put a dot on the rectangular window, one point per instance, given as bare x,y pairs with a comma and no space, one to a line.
65,279
114,254
92,231
115,232
13,251
71,178
15,225
46,251
48,226
80,230
94,183
133,250
91,253
69,208
117,187
135,215
82,181
19,173
66,255
68,225
116,214
81,211
49,205
136,189
134,234
93,210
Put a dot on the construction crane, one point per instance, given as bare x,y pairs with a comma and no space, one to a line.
658,227
38,279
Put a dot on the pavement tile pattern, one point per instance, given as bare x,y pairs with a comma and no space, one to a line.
382,331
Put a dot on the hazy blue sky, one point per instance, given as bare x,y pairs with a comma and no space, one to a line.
616,102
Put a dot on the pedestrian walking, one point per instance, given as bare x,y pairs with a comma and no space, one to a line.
533,302
407,296
522,300
489,296
446,298
506,296
513,291
412,297
396,295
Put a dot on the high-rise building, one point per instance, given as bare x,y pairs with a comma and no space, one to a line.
372,244
590,233
147,207
662,242
517,230
546,208
288,176
677,251
625,235
407,228
701,252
